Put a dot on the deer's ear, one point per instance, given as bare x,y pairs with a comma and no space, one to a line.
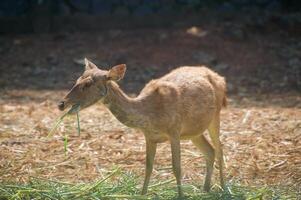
117,72
89,65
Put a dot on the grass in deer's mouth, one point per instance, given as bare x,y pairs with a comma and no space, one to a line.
74,109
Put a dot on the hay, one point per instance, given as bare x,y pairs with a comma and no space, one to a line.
264,150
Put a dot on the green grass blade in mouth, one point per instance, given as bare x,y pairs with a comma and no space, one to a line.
78,124
75,108
65,144
57,123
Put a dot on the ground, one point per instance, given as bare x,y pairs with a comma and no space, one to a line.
260,129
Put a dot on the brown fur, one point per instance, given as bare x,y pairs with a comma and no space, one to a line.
179,105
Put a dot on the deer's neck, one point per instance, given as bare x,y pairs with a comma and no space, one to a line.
126,109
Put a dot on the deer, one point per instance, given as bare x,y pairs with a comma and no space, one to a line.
181,105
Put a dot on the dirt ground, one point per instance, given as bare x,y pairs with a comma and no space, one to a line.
260,130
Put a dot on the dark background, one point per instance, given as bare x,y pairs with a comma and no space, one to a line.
254,43
51,15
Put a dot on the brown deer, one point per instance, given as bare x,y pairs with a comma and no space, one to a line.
179,105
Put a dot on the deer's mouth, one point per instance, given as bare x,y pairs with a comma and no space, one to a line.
74,108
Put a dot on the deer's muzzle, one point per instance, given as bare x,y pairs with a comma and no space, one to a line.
61,105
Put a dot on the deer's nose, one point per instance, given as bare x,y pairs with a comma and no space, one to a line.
61,105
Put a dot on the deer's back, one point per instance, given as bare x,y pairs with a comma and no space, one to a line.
186,99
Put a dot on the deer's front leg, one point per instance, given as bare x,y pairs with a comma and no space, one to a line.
150,155
176,160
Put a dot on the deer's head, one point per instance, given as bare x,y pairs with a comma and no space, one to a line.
91,85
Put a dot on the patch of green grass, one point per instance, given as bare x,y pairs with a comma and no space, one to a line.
120,185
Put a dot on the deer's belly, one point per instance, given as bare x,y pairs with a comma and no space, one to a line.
189,135
192,128
156,136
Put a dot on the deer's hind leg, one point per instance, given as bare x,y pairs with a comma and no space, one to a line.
214,132
206,148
